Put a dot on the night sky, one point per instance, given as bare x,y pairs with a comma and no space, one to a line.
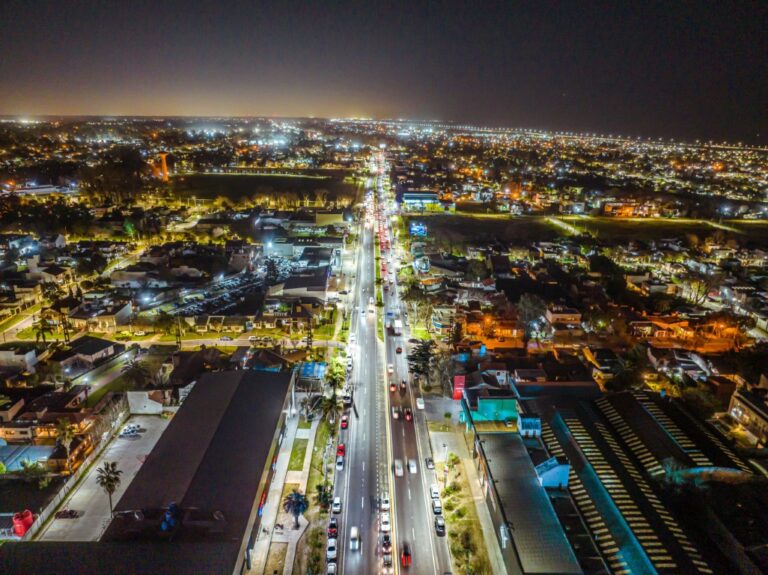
675,69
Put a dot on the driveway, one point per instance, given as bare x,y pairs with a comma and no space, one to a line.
90,499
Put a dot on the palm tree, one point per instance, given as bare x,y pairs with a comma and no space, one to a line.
108,478
65,435
40,327
296,504
136,372
324,495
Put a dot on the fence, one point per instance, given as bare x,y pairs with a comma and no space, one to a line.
122,413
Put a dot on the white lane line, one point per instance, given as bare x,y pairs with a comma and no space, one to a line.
362,502
409,493
363,469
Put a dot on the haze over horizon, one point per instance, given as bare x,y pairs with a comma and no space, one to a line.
689,71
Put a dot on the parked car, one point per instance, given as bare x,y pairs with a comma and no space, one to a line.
336,505
333,527
340,462
330,550
434,491
384,504
440,525
386,543
225,338
429,463
344,421
419,403
437,507
341,449
386,526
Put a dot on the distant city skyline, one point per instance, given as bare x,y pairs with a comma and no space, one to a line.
690,71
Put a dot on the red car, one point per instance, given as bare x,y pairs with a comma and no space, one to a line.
405,556
399,350
408,414
392,386
344,421
341,449
333,528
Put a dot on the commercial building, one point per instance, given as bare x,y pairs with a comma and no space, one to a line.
195,504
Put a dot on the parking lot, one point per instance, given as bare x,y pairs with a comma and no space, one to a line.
89,499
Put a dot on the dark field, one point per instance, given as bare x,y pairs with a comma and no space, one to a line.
237,187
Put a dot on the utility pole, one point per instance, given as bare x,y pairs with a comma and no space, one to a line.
178,332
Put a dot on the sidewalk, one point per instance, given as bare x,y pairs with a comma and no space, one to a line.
454,442
273,503
273,506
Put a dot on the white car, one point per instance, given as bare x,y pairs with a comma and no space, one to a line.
386,526
336,505
412,466
390,369
331,569
330,550
399,467
434,491
340,462
419,403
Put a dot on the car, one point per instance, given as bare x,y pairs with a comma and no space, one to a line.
395,412
434,491
440,526
347,399
384,504
399,350
129,433
403,385
408,414
399,467
344,421
331,569
370,310
405,556
340,462
390,369
386,563
392,386
336,505
225,338
253,338
386,543
139,333
419,403
429,463
386,526
333,527
341,449
412,466
437,507
330,550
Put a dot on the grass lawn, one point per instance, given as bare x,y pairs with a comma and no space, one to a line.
468,549
296,463
304,424
29,334
419,331
316,466
14,319
276,558
151,361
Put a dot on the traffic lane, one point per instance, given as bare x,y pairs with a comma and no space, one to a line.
361,473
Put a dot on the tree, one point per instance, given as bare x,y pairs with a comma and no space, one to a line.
420,358
330,408
51,291
530,308
40,328
296,504
65,435
336,375
477,269
272,271
165,322
136,372
108,478
324,495
32,471
457,334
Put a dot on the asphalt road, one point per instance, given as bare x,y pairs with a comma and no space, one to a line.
364,475
410,441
